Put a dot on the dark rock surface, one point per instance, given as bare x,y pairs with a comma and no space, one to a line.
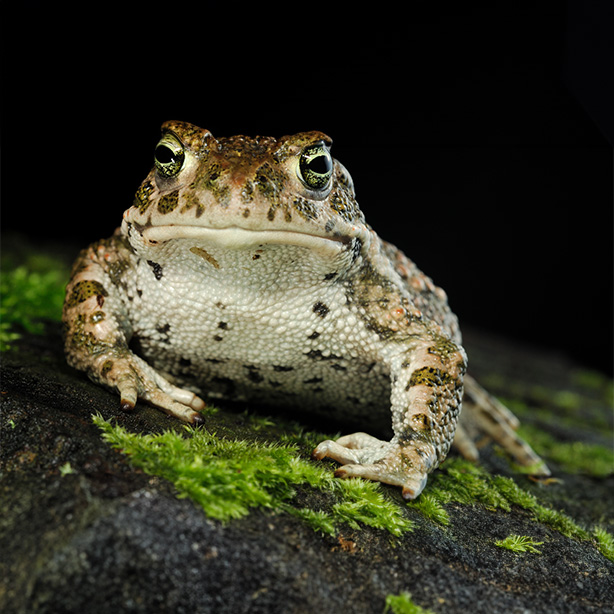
105,537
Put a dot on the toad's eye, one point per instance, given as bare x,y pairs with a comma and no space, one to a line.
315,166
169,156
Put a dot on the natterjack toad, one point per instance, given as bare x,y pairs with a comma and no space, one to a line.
245,270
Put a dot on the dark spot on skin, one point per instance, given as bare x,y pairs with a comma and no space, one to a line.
321,309
246,213
223,325
253,375
218,338
282,368
330,276
338,367
313,380
317,355
185,362
164,330
220,305
139,292
156,268
314,335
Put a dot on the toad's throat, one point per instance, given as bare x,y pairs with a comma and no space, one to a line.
234,237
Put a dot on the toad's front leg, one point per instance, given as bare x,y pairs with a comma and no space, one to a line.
97,332
427,386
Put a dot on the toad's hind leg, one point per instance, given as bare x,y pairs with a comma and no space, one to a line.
484,412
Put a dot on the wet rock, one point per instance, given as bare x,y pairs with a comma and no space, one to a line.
82,530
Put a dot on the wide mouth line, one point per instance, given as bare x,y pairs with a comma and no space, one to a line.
235,236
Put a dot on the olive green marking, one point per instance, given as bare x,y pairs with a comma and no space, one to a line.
81,339
270,183
442,347
142,196
168,202
429,376
344,206
369,289
97,316
306,209
106,367
85,289
209,182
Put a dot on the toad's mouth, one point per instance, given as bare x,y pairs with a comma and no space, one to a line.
237,238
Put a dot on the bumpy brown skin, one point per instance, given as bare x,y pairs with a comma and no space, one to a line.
245,269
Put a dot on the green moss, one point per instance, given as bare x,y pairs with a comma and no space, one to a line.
30,293
431,508
519,543
460,481
403,604
66,469
228,478
605,542
574,457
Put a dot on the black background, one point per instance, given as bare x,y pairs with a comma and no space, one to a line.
479,137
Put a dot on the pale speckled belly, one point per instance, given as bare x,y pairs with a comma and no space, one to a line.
268,324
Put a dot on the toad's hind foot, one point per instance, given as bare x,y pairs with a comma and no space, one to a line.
485,413
367,457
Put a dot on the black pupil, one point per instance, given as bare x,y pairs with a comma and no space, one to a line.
320,164
164,154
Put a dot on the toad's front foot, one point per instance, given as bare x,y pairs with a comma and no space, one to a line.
134,379
406,465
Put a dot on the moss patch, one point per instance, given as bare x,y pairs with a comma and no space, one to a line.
519,544
460,481
228,478
576,457
30,292
403,604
